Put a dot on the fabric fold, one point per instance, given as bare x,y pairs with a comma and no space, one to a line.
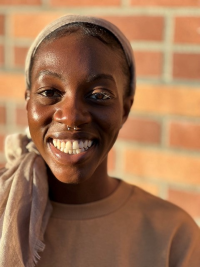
24,205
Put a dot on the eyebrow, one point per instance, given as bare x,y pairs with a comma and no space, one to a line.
50,73
90,79
93,78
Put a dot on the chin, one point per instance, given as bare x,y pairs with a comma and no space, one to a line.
73,176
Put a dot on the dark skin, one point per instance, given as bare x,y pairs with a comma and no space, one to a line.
78,84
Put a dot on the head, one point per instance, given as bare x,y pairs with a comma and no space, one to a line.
80,74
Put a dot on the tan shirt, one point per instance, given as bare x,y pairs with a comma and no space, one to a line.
130,228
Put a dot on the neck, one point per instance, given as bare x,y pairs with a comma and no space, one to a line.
95,188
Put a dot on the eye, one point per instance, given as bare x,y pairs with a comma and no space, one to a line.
100,96
51,93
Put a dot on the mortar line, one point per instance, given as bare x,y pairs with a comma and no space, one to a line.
168,39
124,10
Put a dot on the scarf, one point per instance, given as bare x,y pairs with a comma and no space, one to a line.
24,205
70,19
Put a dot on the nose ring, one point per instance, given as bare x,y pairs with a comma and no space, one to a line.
72,128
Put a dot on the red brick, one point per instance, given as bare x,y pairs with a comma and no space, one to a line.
20,2
134,27
148,63
187,30
20,55
162,165
147,28
167,100
185,135
111,160
189,201
186,66
85,3
171,3
2,24
2,115
35,21
141,130
1,55
21,117
2,138
12,86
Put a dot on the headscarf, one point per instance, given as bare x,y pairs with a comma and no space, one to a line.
24,205
69,19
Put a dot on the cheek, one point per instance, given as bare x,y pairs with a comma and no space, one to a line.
38,118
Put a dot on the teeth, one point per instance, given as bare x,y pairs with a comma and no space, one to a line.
58,144
75,145
62,145
78,151
89,143
81,145
85,144
54,142
72,147
68,145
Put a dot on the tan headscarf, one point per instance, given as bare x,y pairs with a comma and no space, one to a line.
69,19
24,204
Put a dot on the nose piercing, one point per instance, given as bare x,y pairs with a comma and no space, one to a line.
72,128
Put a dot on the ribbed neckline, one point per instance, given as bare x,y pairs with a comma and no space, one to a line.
95,209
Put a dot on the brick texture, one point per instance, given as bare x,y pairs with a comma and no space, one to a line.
167,100
35,21
185,135
85,3
170,3
148,63
167,166
187,30
189,201
21,117
2,114
111,160
19,56
2,24
20,2
12,86
186,66
2,137
135,27
141,130
1,55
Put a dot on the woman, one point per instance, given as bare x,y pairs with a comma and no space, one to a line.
80,88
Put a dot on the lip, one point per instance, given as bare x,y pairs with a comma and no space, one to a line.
65,158
71,136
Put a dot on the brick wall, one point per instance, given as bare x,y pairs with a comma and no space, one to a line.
159,146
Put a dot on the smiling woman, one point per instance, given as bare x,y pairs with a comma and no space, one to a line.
57,201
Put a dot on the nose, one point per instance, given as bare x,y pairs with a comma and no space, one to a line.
72,112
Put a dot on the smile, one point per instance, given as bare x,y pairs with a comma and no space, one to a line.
72,146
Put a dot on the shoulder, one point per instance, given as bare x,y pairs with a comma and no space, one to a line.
157,210
164,220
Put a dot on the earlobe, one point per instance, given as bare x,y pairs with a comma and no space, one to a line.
128,102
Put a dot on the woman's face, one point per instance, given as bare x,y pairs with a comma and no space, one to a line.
76,81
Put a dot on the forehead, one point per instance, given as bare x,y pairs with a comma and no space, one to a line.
78,53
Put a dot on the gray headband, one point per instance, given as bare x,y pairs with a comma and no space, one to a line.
67,19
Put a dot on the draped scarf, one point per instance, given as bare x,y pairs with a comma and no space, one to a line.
24,205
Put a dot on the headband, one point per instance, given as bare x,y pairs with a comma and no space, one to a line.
68,19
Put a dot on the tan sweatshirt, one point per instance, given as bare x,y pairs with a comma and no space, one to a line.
130,228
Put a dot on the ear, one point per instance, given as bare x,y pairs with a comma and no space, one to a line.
128,102
27,97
